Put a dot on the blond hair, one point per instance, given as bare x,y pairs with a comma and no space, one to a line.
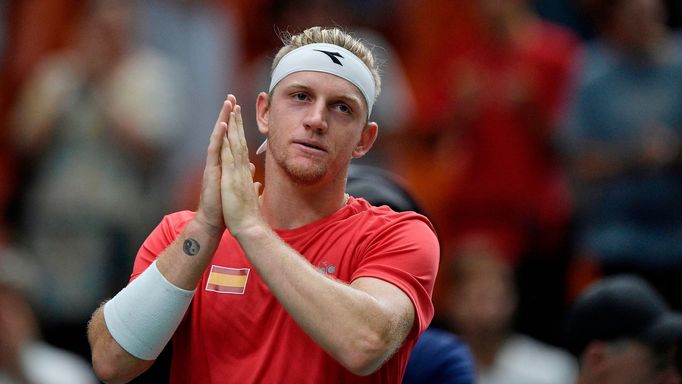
330,36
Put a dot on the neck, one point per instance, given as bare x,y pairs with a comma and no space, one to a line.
287,205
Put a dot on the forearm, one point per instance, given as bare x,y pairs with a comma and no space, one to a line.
353,326
184,262
127,333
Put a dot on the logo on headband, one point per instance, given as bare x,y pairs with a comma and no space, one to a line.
332,55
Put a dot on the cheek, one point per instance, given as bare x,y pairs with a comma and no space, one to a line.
351,142
273,121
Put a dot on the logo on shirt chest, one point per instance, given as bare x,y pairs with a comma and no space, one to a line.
326,268
227,280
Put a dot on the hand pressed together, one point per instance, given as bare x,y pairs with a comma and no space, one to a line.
229,196
238,191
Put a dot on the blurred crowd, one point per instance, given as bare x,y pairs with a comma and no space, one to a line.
542,138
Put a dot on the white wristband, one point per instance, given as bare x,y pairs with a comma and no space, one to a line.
143,316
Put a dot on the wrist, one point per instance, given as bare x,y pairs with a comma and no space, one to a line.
202,225
254,231
143,316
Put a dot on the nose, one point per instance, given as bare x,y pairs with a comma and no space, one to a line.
316,117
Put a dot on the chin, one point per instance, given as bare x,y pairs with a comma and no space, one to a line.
308,173
306,176
302,170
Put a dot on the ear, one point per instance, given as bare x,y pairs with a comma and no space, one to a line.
262,112
367,138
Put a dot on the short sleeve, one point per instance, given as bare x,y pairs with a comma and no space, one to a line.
159,240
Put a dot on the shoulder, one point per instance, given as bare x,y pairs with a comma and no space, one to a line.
384,230
169,227
385,216
179,219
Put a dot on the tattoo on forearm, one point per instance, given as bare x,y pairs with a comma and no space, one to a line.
191,247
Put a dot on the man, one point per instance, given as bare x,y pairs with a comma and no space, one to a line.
623,332
300,284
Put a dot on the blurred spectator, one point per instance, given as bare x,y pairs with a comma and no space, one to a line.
480,153
624,332
622,142
93,124
479,304
24,357
28,30
439,356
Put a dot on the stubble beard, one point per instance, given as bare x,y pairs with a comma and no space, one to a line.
304,173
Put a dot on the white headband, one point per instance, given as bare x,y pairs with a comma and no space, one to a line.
328,58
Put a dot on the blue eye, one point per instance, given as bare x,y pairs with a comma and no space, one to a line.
344,108
300,96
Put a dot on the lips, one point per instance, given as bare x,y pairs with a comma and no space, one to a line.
312,145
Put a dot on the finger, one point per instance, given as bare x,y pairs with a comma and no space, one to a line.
228,106
241,151
215,143
235,144
256,187
252,168
227,160
240,127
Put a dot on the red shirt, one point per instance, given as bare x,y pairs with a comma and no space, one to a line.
235,329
